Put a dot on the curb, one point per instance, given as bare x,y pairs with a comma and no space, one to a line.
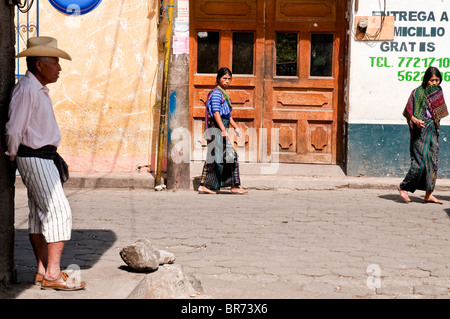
250,181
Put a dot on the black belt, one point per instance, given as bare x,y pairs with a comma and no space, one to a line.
47,152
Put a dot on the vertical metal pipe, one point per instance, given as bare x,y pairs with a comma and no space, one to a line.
163,111
37,18
28,22
17,42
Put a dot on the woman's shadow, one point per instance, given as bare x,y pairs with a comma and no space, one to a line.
414,199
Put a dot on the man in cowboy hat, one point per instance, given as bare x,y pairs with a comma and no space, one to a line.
32,136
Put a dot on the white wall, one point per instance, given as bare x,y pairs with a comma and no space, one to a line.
376,94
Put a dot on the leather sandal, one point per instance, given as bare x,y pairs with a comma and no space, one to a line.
63,282
37,281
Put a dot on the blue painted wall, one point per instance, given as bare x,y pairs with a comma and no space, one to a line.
380,150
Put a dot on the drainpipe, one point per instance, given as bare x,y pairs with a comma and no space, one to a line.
162,116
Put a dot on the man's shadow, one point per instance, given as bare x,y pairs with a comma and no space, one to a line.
82,251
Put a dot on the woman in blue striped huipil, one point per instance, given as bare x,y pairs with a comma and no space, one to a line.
221,168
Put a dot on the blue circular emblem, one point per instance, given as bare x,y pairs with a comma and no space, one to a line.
75,7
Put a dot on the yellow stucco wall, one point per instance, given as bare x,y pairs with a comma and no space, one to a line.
105,97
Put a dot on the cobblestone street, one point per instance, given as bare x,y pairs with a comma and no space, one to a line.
343,243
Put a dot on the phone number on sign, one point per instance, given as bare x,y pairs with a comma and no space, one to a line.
410,62
417,76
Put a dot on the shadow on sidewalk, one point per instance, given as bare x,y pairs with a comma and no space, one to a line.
395,197
83,250
447,210
416,199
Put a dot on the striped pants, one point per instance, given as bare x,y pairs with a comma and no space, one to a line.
50,212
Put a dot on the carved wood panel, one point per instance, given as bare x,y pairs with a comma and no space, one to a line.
240,97
226,9
302,112
304,98
320,134
246,146
287,133
306,10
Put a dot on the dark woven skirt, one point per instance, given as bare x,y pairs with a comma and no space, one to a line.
221,168
424,151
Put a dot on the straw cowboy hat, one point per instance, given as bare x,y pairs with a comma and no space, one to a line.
43,46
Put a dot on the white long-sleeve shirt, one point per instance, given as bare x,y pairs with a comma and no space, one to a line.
31,121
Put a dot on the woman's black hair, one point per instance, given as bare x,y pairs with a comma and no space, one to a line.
429,73
222,71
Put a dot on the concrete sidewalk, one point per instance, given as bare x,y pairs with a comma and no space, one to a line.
253,176
307,232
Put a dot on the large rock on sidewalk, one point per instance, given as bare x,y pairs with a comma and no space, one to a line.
143,256
170,282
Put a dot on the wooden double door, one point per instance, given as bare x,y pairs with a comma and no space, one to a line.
287,62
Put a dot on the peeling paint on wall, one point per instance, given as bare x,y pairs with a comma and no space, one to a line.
104,98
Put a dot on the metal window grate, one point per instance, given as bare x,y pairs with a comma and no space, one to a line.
27,25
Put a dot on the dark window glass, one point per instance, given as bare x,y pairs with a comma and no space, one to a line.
207,52
286,47
243,43
321,55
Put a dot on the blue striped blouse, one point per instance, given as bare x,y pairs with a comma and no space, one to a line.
217,103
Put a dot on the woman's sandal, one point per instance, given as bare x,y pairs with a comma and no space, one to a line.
63,282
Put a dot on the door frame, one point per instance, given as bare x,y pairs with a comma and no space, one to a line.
340,72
